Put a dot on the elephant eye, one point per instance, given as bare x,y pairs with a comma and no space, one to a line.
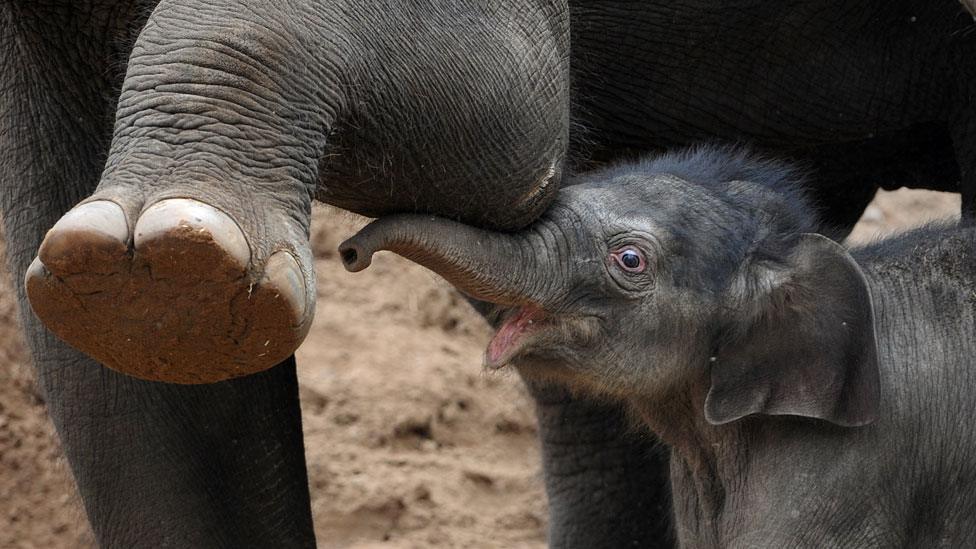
629,259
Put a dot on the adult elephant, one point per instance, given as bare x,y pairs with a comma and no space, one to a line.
167,271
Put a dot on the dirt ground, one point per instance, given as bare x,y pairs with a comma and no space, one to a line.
409,442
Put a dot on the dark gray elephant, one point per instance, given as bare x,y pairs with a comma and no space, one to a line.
462,109
811,396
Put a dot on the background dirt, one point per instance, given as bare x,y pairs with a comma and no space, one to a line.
409,443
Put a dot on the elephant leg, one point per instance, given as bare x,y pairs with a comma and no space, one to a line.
962,125
840,201
845,176
607,483
190,262
155,464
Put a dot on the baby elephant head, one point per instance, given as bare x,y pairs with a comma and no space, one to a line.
642,280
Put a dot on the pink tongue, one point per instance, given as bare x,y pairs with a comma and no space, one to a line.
509,333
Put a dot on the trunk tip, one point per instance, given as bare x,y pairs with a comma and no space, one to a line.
354,257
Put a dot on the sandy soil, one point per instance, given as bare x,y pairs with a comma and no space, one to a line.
409,443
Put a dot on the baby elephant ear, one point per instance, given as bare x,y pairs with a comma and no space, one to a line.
808,347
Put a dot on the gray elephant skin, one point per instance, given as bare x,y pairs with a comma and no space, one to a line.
811,396
195,135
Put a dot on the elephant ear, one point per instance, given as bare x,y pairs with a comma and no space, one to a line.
808,346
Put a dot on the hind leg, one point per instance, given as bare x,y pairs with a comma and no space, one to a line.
963,127
846,176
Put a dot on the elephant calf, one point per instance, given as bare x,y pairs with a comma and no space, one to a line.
811,396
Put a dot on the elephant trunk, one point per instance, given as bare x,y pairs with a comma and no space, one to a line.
501,268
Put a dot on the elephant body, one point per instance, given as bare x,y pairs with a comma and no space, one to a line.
812,81
810,396
468,110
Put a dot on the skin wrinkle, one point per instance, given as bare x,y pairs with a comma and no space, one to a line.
401,152
237,56
255,76
231,100
424,248
614,468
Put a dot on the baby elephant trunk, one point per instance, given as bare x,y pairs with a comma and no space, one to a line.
501,268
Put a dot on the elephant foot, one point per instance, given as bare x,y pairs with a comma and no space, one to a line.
179,298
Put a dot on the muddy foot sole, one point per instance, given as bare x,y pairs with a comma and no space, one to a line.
174,300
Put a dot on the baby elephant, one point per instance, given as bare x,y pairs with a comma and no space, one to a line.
811,396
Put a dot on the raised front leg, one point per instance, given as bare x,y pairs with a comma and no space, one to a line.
190,262
607,483
215,466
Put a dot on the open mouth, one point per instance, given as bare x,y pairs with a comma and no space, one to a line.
513,334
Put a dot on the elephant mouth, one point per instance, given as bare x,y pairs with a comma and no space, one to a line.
515,334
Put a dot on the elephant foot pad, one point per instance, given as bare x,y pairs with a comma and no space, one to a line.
177,299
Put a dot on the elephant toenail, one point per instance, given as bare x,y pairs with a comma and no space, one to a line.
190,218
97,224
283,273
35,272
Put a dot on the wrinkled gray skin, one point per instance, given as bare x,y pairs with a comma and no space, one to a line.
380,107
811,396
